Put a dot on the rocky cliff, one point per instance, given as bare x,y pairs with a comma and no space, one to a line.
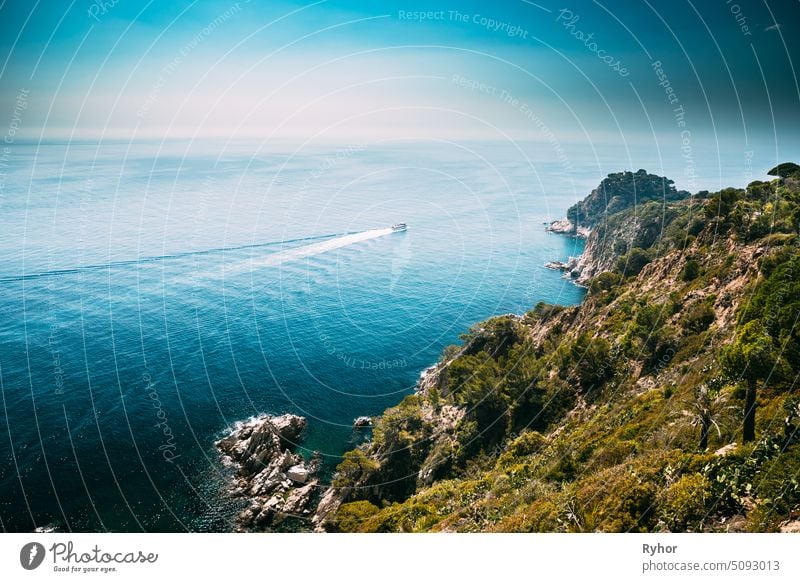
622,414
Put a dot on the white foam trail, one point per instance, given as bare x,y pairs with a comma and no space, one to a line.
305,251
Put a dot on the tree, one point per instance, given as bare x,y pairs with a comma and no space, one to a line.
590,361
474,382
691,269
355,466
620,191
708,404
752,358
785,170
633,262
605,281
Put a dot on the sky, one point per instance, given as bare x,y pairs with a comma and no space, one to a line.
677,71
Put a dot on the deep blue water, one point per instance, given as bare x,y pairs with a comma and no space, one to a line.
116,379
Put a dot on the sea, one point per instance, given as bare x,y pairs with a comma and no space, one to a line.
154,293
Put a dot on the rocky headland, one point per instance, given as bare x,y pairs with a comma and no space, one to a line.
634,411
619,414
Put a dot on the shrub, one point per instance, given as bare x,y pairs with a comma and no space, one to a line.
542,515
351,516
606,281
691,270
544,310
616,501
355,467
589,361
406,517
696,227
721,203
777,487
633,262
683,504
699,317
611,453
528,443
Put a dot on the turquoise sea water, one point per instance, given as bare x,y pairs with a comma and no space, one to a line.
153,294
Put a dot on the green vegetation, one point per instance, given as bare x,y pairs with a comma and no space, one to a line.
785,170
753,358
663,403
621,191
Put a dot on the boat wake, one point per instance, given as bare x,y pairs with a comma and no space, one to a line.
305,251
169,257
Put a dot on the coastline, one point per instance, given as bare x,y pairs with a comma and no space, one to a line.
573,266
276,498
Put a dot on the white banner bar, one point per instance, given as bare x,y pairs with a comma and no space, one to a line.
421,557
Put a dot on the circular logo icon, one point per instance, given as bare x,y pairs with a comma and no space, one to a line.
31,555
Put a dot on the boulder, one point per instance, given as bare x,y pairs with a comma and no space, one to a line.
362,422
298,473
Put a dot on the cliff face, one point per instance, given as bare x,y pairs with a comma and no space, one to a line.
622,414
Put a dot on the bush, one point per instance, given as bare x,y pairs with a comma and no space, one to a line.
351,516
544,310
407,517
683,505
633,262
528,443
691,270
615,501
699,317
721,203
695,227
606,281
611,453
589,361
777,487
541,516
355,467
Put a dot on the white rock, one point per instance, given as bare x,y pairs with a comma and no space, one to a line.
298,474
725,450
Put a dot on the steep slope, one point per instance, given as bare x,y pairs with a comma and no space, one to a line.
625,413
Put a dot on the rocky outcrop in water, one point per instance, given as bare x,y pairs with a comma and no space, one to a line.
278,482
567,227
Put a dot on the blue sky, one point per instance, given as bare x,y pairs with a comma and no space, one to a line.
348,68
